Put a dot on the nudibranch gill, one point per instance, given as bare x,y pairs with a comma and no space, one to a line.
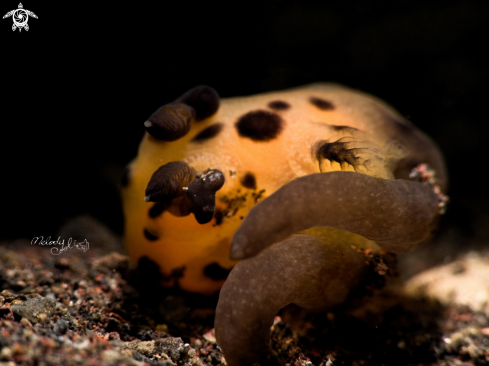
292,183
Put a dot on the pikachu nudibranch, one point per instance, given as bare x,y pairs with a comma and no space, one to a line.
313,170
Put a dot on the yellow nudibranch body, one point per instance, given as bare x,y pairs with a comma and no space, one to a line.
259,144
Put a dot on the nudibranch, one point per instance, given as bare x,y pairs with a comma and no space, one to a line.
293,184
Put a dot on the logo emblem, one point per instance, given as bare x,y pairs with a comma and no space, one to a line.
20,17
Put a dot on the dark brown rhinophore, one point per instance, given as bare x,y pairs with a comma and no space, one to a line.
203,99
168,181
170,122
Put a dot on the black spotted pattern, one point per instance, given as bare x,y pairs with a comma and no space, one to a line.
208,132
219,216
216,272
322,104
149,270
260,125
150,236
249,181
279,105
156,210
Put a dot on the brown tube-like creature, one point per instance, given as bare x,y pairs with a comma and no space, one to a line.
303,269
396,214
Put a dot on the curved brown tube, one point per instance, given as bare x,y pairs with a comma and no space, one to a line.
299,270
396,214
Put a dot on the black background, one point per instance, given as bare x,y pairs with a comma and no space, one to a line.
77,87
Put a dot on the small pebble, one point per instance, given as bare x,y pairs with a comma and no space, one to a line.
60,327
82,345
126,352
198,343
32,307
209,336
6,353
17,349
146,348
114,335
21,284
26,323
41,318
8,295
111,355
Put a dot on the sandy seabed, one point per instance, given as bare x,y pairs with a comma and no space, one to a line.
90,307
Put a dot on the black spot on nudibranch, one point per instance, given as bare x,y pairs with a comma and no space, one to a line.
208,132
149,236
219,216
260,125
156,210
216,272
248,181
125,177
279,105
149,270
322,104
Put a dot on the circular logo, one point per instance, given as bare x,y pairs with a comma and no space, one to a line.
20,17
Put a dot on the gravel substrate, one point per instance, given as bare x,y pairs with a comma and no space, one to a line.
91,308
